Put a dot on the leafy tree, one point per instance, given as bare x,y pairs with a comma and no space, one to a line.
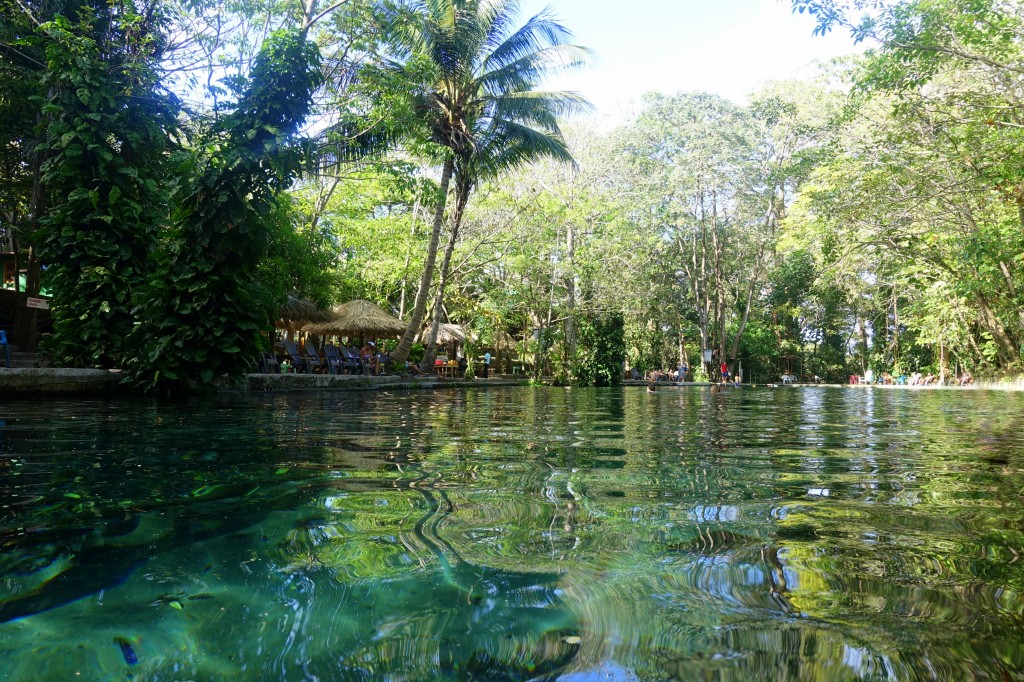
603,352
107,138
22,194
203,311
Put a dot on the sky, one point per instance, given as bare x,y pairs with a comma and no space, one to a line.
728,47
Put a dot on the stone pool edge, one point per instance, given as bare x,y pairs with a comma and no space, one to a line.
313,382
37,381
30,381
43,381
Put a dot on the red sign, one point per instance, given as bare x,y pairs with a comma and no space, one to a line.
40,303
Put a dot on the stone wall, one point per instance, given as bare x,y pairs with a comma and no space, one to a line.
33,381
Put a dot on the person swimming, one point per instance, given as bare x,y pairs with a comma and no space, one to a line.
650,387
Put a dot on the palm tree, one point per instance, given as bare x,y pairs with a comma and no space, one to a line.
498,150
473,80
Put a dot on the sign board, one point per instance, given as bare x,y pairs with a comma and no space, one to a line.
707,355
40,303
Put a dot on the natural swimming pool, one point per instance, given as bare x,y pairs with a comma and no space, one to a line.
515,534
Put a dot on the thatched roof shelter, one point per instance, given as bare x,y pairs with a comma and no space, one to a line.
446,334
297,311
502,339
358,318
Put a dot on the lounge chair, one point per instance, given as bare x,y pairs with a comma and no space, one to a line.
332,358
385,364
268,364
317,361
352,354
300,362
336,364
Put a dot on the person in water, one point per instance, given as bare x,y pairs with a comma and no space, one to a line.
650,387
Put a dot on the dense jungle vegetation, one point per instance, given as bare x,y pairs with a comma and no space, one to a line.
172,170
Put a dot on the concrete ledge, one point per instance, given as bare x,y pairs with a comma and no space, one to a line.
36,380
319,382
43,381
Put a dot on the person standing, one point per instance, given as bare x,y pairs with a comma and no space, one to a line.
725,372
487,362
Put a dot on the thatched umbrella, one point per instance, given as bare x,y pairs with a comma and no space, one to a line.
297,311
358,318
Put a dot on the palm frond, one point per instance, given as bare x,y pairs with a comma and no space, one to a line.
498,17
530,70
539,109
509,145
472,80
540,32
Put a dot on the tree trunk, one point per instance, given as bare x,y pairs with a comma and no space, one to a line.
461,197
720,302
895,333
401,354
746,314
1010,287
408,257
1006,346
943,362
864,343
570,319
705,303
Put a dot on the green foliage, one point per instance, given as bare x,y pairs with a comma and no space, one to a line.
203,312
21,91
299,257
601,351
106,140
791,282
415,353
760,351
471,80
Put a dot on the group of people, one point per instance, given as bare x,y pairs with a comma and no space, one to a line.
914,379
681,373
917,379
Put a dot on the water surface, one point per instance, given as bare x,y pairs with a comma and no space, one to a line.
515,534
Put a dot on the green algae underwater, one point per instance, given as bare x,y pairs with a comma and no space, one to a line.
523,533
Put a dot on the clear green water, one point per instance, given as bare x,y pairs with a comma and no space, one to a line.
514,534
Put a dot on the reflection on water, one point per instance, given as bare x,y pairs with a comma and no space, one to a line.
515,534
